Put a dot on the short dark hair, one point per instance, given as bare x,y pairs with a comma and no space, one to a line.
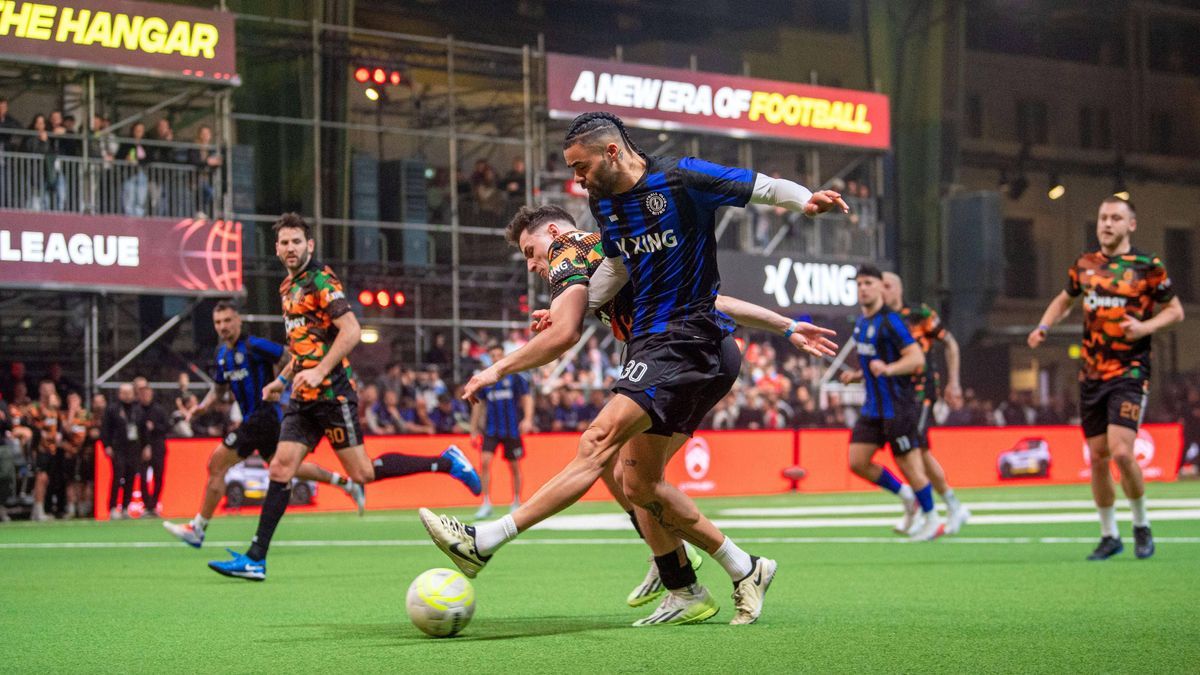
532,219
869,270
1113,199
292,220
224,306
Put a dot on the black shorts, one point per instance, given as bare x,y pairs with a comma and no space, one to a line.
923,423
900,432
259,431
85,465
678,379
1120,401
43,460
305,422
513,450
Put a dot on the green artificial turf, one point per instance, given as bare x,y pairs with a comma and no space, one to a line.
334,599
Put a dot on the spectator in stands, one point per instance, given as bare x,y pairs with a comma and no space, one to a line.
437,355
206,158
368,396
135,190
488,197
121,435
155,425
163,154
414,418
750,416
62,384
514,182
1053,411
39,144
451,416
467,362
807,414
1189,459
392,378
185,403
70,145
384,417
8,140
76,468
543,412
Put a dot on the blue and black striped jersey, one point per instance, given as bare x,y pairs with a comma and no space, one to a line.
883,335
664,229
247,368
504,406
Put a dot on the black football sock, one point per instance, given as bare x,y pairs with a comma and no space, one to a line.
638,528
278,496
394,464
675,569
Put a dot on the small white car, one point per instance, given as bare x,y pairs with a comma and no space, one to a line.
246,483
1030,457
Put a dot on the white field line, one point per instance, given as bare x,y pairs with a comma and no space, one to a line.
857,509
393,543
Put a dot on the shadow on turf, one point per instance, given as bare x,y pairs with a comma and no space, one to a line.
487,629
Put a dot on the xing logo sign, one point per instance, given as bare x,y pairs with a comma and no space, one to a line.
810,283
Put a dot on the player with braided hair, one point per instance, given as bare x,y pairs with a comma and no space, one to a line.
657,217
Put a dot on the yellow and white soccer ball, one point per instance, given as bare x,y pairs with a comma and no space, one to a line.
441,602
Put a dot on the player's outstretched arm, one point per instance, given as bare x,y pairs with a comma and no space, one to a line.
795,197
804,335
215,393
953,363
1058,309
610,275
1170,314
563,332
911,360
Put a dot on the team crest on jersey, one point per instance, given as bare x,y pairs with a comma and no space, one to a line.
238,358
871,332
656,204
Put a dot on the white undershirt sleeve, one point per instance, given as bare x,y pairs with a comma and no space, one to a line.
780,192
606,281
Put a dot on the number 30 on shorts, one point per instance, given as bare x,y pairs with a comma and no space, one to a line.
633,371
336,435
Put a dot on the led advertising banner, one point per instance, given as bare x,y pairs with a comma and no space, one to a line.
788,285
120,254
728,105
131,37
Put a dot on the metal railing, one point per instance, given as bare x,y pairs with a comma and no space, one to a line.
36,182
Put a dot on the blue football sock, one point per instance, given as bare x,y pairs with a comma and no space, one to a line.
925,497
888,481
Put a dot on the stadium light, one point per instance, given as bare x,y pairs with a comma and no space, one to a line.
362,74
399,299
366,298
1057,189
383,298
379,76
369,336
372,93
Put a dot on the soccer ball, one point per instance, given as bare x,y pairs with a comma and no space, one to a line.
441,602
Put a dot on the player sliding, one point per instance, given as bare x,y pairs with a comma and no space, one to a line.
888,358
245,364
322,331
657,218
1120,286
566,257
926,328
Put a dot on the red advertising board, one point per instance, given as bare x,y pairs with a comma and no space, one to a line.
991,456
712,464
119,253
729,105
122,36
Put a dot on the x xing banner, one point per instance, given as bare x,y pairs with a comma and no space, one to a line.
729,105
118,253
118,35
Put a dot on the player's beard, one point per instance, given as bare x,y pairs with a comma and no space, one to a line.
302,259
604,182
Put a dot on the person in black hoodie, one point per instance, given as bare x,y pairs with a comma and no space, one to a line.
121,434
155,425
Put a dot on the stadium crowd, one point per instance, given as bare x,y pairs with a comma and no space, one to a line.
47,426
142,172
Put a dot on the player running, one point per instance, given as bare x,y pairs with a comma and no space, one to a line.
322,331
926,328
245,365
1121,287
657,218
888,357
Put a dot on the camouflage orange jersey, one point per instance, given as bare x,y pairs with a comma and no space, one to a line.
574,257
75,430
926,328
311,301
49,426
1127,285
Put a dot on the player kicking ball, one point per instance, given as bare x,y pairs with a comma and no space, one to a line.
889,357
657,218
1121,287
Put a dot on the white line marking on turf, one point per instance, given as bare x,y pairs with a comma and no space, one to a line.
857,509
382,543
